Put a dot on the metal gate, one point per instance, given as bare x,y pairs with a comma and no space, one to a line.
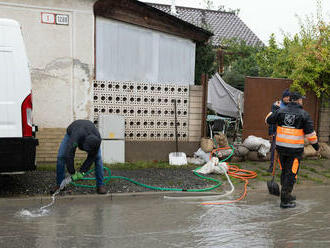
260,94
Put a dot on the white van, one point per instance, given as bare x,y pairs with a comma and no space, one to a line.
17,139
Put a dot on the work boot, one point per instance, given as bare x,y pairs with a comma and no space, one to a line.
292,197
286,201
101,190
287,204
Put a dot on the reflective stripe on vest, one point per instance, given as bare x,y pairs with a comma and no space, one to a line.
289,137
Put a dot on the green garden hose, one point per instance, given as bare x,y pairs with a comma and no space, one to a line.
108,178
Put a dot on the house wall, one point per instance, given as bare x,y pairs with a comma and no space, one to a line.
61,58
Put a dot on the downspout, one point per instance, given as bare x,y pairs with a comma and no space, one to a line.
173,8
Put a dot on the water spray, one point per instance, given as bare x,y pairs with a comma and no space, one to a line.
43,210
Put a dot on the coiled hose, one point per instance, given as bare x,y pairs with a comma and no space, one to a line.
108,178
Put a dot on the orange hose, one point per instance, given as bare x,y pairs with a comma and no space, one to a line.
236,172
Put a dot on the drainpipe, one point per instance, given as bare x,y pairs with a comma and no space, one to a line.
205,81
173,9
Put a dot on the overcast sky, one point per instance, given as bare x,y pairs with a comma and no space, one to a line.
264,17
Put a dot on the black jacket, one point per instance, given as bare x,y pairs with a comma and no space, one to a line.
82,134
272,127
292,116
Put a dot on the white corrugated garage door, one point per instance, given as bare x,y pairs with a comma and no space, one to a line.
126,52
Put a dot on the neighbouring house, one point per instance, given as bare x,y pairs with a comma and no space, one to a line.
123,57
224,25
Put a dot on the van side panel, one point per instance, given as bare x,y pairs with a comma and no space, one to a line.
9,108
17,153
15,81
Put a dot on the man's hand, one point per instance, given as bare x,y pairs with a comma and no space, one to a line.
77,176
277,105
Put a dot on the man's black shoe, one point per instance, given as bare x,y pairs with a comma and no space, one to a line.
101,190
54,189
287,204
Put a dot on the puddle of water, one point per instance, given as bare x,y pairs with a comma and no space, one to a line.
258,221
33,213
43,211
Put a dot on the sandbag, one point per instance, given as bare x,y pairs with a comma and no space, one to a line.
324,150
203,155
264,148
195,160
309,151
306,142
213,166
223,153
207,144
241,151
254,143
236,159
221,140
265,158
253,156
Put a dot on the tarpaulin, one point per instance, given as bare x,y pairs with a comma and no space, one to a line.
223,98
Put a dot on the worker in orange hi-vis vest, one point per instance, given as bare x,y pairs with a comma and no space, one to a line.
293,124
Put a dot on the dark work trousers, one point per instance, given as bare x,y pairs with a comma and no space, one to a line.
290,167
272,152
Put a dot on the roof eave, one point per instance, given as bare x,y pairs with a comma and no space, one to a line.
141,14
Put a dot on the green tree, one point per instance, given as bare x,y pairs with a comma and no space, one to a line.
267,56
305,59
239,62
205,61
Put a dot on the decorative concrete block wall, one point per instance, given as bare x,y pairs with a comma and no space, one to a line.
148,108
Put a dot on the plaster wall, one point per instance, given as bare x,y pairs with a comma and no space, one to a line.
61,58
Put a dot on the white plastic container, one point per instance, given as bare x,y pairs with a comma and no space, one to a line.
177,158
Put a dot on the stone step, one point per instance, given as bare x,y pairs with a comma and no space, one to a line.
50,136
48,146
52,130
54,153
45,160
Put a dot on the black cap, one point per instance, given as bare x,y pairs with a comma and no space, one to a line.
286,93
294,96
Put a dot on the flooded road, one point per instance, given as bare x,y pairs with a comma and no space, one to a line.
146,221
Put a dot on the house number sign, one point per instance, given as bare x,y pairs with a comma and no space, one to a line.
52,18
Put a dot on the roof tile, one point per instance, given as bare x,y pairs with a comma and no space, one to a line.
224,25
